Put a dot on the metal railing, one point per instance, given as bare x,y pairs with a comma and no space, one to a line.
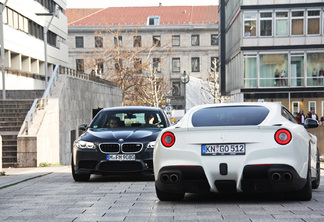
41,103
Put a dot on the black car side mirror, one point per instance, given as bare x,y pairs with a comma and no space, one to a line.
310,123
82,127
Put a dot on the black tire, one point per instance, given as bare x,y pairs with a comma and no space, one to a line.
166,196
305,194
79,177
317,181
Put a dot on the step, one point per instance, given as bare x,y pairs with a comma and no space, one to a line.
12,110
13,115
10,128
16,106
8,165
8,143
11,119
11,123
9,159
9,154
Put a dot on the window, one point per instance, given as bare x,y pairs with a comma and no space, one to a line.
138,65
195,40
175,40
156,65
282,24
297,23
313,22
80,65
79,42
157,41
249,24
99,67
175,64
266,24
175,88
195,64
315,69
118,42
250,71
98,41
153,20
137,41
214,39
273,70
312,106
118,65
229,116
297,70
214,65
295,107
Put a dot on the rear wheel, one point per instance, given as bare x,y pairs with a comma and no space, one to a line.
305,194
317,181
167,196
79,177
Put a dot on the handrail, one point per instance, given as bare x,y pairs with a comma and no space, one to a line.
49,88
30,115
36,104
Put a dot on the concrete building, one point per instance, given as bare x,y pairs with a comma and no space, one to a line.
272,50
25,23
190,31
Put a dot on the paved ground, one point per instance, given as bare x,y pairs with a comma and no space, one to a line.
50,194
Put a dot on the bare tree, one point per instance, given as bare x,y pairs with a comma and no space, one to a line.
120,56
211,88
155,90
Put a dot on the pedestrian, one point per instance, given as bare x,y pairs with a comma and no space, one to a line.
314,74
314,115
302,116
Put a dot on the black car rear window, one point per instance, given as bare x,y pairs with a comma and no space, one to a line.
229,116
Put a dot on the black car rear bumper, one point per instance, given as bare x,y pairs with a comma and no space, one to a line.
256,178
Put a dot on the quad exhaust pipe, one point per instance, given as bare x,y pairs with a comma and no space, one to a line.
170,178
286,177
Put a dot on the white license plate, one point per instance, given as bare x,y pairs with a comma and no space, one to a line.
120,157
223,149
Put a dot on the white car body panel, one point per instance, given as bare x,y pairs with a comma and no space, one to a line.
261,147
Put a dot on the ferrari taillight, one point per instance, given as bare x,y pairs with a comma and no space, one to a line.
283,136
168,139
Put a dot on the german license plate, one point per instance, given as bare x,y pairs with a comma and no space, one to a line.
222,149
120,157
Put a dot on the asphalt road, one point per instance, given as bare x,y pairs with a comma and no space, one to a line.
56,197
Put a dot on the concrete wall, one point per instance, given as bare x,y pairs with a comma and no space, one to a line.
0,153
319,132
50,137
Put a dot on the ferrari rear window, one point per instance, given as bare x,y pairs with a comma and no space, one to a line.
229,116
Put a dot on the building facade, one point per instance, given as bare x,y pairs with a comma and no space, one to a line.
274,51
24,26
190,31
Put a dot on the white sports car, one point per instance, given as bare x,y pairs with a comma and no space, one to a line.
237,147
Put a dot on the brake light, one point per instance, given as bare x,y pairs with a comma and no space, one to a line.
168,139
283,136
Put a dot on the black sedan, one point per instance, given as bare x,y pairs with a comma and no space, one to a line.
118,140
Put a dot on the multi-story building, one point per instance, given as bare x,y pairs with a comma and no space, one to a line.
190,31
25,23
273,50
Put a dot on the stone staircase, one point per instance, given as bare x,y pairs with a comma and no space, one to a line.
12,116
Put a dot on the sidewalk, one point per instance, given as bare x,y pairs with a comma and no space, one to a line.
18,175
